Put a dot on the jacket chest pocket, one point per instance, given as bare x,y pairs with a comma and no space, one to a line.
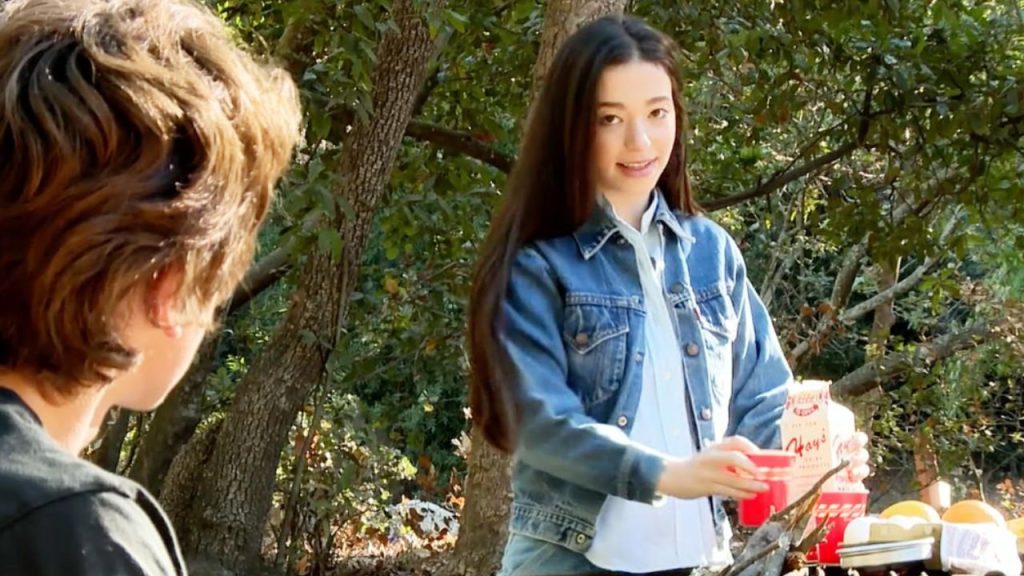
712,307
717,316
595,335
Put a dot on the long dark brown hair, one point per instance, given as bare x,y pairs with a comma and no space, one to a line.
549,193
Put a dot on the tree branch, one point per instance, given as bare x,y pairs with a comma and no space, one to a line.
854,261
844,283
852,264
780,179
864,378
262,275
460,142
860,310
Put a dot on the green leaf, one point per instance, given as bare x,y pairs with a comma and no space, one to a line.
458,21
364,16
329,241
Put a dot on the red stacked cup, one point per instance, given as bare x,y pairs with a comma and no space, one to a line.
775,469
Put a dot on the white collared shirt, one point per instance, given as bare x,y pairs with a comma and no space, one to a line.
633,536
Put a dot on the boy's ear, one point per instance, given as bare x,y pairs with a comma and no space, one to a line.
162,300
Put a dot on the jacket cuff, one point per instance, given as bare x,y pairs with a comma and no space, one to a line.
638,478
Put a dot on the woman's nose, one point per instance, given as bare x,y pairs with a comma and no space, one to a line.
636,136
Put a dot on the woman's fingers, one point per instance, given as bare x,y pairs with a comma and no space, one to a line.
858,441
735,470
859,473
859,457
737,443
733,463
732,492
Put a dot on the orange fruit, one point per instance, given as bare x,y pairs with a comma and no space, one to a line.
912,508
973,512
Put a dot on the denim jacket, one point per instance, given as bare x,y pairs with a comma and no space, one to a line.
574,328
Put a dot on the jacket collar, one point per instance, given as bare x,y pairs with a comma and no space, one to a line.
600,226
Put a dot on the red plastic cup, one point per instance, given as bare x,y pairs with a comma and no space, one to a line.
775,468
838,509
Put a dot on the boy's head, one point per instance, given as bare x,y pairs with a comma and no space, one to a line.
138,152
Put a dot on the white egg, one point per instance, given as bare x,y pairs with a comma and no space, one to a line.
858,531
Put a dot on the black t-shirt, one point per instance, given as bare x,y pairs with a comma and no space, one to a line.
61,515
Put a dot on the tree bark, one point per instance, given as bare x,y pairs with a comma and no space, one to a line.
866,377
229,511
885,316
107,454
483,527
561,19
183,474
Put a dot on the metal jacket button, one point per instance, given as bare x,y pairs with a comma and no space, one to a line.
705,413
582,339
692,349
623,421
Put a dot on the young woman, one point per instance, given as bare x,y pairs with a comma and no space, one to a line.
617,346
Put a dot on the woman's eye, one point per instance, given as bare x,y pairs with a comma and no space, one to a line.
660,113
608,119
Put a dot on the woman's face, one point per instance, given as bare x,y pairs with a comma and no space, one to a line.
634,131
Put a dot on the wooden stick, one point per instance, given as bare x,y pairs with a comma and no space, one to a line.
813,538
761,554
810,493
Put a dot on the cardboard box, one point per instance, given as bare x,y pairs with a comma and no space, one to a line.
816,429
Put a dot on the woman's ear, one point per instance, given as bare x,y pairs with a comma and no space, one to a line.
162,300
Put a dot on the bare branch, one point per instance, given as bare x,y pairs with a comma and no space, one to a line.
864,378
262,275
780,179
811,493
844,283
461,142
824,329
775,545
903,286
852,263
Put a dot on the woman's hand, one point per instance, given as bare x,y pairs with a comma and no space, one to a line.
721,470
857,454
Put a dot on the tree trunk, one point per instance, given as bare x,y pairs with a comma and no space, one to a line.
174,422
561,19
183,477
483,527
888,275
227,516
115,427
